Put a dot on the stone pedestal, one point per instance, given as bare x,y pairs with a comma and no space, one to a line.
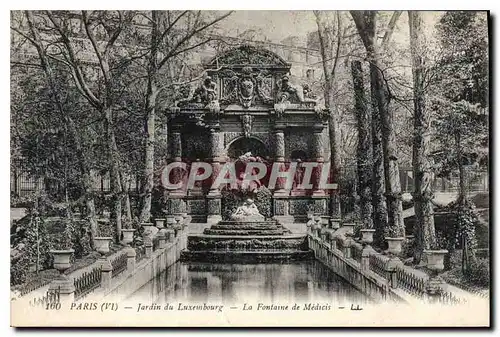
106,273
214,211
66,289
131,254
148,245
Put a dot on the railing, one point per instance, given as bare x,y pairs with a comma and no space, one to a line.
409,281
449,299
52,296
87,282
378,264
119,264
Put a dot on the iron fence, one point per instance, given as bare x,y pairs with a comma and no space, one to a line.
52,296
449,299
87,283
410,282
378,264
119,264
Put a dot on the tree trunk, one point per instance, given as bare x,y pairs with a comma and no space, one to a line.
462,193
126,197
424,230
380,94
329,63
150,109
334,158
364,149
149,150
114,173
365,24
386,170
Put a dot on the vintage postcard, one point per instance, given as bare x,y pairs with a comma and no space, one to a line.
249,168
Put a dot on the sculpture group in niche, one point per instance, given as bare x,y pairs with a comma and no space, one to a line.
247,212
246,123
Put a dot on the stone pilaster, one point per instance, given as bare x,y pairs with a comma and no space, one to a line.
214,209
318,148
176,145
216,152
176,152
279,157
279,143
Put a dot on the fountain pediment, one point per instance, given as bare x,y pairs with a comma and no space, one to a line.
247,78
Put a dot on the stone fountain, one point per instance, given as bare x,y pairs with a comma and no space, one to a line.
247,237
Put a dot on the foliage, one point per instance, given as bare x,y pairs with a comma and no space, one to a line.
263,201
37,240
479,273
460,91
462,134
464,222
19,267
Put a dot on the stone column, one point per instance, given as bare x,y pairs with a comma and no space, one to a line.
214,210
279,157
318,155
216,149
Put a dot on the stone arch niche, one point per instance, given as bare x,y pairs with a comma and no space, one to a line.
242,145
246,102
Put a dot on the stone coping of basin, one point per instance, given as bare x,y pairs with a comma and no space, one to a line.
285,236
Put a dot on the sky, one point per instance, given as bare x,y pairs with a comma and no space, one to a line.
279,24
275,25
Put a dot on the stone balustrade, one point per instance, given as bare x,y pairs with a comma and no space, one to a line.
377,275
161,251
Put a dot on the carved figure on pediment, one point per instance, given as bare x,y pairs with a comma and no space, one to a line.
308,93
206,92
205,96
287,92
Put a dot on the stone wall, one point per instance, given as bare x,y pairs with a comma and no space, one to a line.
381,277
147,269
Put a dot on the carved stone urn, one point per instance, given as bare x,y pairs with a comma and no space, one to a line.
394,244
160,223
102,244
62,259
324,220
170,221
128,235
367,235
349,227
435,259
179,219
334,223
149,229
